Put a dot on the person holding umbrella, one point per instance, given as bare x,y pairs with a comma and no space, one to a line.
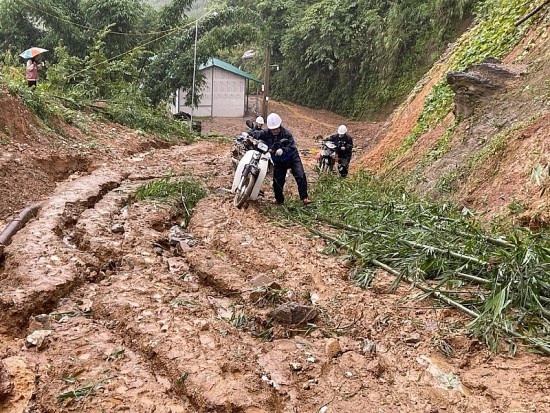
32,72
32,64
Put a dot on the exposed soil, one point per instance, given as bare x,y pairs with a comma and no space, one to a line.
134,323
35,156
514,119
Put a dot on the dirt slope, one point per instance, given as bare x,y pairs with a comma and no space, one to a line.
495,160
34,156
133,323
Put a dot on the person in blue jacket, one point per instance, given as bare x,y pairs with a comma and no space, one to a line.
285,156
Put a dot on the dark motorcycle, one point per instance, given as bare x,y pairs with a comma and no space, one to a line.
241,145
327,157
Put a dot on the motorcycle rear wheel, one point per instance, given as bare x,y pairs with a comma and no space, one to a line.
242,194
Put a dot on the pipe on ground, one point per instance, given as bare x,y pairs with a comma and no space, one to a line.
17,224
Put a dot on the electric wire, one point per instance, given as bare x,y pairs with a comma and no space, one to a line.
97,29
73,75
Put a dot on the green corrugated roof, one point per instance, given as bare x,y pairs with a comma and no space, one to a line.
229,67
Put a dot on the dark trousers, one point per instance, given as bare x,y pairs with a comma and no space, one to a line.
279,177
343,164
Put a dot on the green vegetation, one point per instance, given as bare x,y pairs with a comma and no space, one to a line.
502,280
352,57
182,192
79,393
123,53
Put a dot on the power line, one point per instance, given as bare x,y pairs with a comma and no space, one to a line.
95,28
143,44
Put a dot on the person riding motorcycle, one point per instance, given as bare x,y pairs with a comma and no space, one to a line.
344,147
285,156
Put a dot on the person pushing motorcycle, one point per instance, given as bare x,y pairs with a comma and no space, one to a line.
285,156
344,147
259,124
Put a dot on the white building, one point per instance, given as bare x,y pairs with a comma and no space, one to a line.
224,92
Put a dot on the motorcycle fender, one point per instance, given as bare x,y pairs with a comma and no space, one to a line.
240,168
263,165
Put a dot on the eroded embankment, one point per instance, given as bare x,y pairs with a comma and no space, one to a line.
144,318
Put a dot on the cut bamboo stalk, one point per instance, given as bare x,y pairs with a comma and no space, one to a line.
407,242
535,343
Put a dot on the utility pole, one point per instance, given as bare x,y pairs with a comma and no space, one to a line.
194,74
266,81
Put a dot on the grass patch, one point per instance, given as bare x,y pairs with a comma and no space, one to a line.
78,393
181,192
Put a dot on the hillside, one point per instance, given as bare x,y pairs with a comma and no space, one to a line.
492,151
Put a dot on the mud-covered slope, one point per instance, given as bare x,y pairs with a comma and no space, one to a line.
34,154
134,322
492,152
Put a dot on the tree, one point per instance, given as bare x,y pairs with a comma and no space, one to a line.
172,65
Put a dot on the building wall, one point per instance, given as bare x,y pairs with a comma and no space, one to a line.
228,94
223,94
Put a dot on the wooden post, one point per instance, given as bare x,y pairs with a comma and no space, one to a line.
266,81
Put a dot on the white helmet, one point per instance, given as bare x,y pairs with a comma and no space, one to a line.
274,121
342,130
260,120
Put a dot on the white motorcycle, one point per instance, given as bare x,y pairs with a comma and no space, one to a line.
250,174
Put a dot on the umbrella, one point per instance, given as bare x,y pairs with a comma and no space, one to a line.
33,51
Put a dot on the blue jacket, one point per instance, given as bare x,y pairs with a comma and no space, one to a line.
284,140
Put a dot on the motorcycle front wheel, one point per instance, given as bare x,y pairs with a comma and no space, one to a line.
324,166
243,191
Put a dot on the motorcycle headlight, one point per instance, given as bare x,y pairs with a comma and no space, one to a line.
262,146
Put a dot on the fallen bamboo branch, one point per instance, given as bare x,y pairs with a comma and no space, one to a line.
407,242
534,342
531,13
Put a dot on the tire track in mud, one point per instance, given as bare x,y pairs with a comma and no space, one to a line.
38,267
143,287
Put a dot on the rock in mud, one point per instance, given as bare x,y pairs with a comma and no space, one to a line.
293,313
6,385
332,348
117,228
479,82
38,339
262,280
296,366
40,322
413,338
376,367
177,264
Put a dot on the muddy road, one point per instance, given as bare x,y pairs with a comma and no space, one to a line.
236,313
